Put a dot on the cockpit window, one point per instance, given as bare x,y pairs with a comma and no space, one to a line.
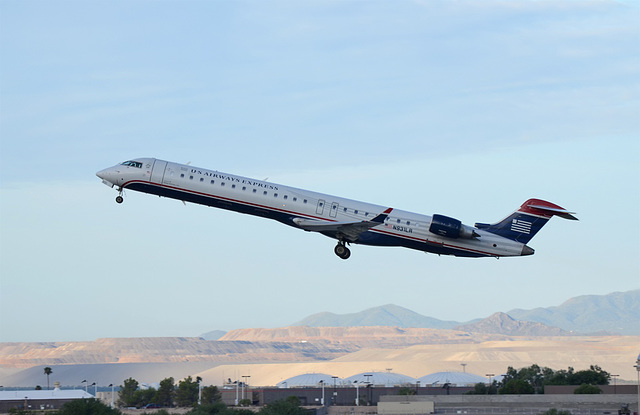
131,163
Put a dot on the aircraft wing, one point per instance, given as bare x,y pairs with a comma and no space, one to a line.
348,230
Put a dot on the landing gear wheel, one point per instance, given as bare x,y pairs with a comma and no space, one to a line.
119,199
342,251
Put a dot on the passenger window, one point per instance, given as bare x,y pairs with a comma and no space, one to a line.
264,193
202,179
275,195
182,175
304,201
233,186
295,199
244,187
212,181
285,197
190,177
222,184
255,190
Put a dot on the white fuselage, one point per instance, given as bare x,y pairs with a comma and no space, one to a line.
288,205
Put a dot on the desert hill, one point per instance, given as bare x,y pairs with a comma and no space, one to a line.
618,312
162,350
615,313
501,323
386,315
243,345
355,338
615,354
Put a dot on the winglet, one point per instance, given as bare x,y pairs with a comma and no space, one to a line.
381,217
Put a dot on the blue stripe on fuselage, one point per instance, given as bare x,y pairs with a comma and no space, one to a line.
373,237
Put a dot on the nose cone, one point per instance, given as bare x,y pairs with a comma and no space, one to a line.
527,251
103,174
109,176
106,174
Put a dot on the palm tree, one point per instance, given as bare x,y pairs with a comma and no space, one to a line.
48,371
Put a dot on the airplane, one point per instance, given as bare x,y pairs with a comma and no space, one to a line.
348,221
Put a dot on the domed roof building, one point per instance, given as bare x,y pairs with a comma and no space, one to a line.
452,378
308,379
387,379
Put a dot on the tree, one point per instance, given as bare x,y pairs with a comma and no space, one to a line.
218,409
211,394
187,393
127,394
516,387
586,389
166,392
283,407
85,407
144,396
405,390
48,371
594,376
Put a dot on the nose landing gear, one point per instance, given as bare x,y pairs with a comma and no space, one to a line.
342,251
119,198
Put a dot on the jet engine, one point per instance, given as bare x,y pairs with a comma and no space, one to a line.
451,228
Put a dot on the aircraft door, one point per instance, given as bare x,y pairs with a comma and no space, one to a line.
334,209
157,174
320,207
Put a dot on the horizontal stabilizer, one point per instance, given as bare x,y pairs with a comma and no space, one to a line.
555,211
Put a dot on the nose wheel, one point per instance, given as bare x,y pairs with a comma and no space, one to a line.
342,251
119,198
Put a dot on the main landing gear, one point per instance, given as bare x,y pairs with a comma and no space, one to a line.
342,251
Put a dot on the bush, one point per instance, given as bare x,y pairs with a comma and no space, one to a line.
585,389
554,411
87,407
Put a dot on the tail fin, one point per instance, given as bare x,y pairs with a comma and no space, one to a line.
524,224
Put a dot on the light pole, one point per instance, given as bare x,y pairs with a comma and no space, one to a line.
637,366
86,386
335,392
490,376
464,367
322,398
357,393
96,388
615,390
112,393
417,386
237,386
245,383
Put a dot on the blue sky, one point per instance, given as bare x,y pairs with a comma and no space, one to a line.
462,108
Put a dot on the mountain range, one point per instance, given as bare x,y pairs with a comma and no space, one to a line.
615,313
386,336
